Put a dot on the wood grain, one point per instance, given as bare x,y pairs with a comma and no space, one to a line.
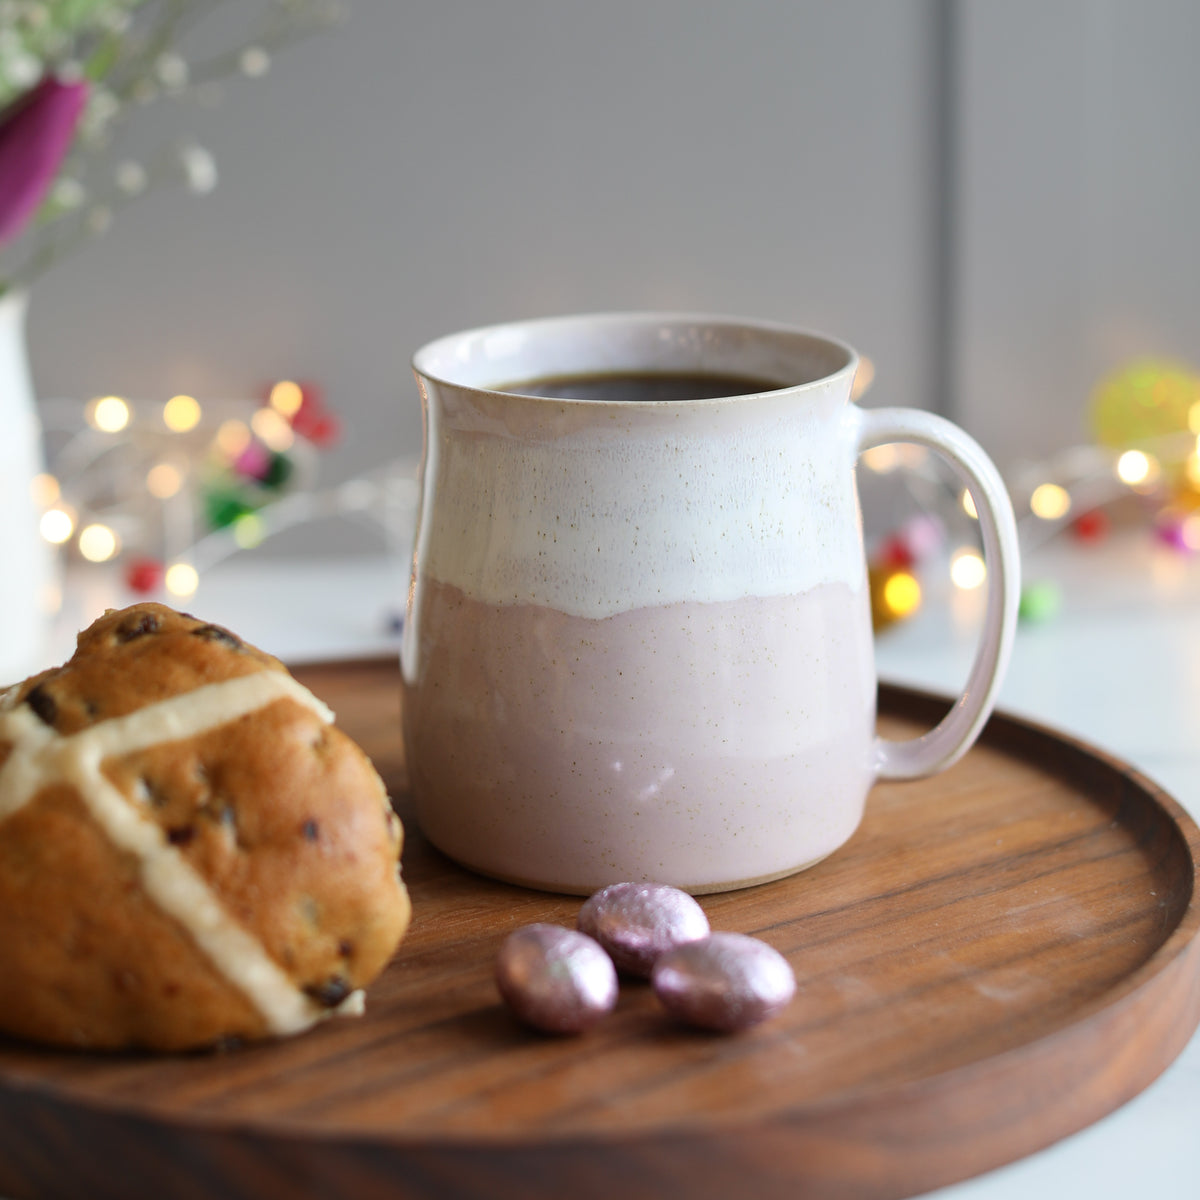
1000,956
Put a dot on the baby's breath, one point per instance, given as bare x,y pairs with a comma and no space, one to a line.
132,54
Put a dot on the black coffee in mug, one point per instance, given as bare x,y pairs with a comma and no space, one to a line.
643,386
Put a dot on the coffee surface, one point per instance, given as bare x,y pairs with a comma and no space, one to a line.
646,386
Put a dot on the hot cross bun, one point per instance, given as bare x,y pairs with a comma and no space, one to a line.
190,851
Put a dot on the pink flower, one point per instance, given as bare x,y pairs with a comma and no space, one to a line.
35,135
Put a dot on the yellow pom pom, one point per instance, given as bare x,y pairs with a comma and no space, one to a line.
1144,401
895,594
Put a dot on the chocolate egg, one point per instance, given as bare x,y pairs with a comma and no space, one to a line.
554,979
725,982
638,922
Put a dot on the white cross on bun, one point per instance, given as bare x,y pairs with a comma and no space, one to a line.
190,852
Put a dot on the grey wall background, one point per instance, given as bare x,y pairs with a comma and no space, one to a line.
995,201
1077,144
437,164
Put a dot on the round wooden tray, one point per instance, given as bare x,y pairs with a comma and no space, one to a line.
1000,956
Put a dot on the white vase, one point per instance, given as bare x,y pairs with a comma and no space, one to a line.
27,577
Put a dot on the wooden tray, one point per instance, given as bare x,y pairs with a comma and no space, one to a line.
1000,956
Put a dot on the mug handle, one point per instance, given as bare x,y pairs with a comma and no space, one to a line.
948,741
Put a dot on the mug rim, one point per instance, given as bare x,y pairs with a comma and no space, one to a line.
424,365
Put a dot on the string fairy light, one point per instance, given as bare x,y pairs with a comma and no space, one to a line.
217,479
44,490
1146,422
109,414
181,414
1135,467
164,480
56,526
1050,501
967,569
182,579
286,397
188,483
98,543
882,459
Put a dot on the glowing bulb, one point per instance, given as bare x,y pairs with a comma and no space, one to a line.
287,397
863,377
881,459
98,543
902,593
274,431
967,570
181,413
51,598
56,526
232,438
913,456
163,480
109,414
44,490
1050,502
968,505
1134,467
181,579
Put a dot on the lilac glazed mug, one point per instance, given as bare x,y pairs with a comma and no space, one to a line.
638,642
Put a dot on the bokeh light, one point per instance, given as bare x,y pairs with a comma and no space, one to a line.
881,459
272,429
863,377
967,570
181,579
232,438
98,543
1191,469
181,413
287,397
1050,502
44,490
109,414
164,480
57,525
1135,467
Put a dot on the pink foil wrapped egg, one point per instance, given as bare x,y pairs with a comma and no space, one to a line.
554,979
638,922
725,982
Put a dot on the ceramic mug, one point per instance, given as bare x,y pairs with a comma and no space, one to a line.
638,641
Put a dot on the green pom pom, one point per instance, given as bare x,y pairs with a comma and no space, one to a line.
222,507
1039,602
279,471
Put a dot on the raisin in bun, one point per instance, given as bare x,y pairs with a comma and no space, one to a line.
190,852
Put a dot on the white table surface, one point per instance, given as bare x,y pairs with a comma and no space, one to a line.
1119,666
